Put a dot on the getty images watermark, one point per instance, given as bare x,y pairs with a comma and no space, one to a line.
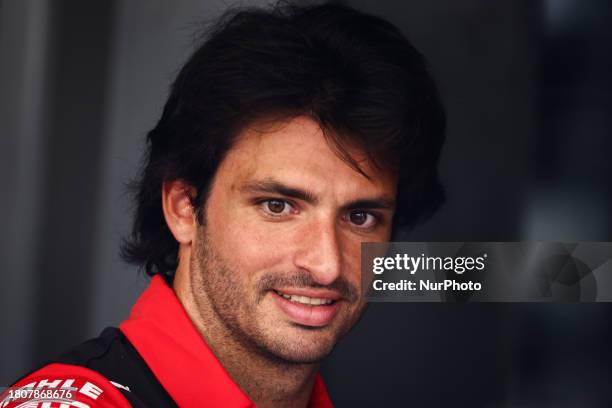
487,271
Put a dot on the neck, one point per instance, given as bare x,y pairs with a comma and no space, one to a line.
267,381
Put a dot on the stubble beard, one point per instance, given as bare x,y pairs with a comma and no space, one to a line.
213,288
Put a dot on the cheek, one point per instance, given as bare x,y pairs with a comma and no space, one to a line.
354,272
351,250
253,245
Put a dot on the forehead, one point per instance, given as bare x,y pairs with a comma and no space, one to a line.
296,151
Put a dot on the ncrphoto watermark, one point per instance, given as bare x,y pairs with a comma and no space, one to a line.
487,271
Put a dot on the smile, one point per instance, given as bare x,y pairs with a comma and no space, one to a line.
316,310
305,300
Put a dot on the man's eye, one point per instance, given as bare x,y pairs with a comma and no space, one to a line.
276,207
363,219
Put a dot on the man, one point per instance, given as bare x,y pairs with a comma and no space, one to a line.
291,136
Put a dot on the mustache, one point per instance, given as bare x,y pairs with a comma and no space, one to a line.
304,280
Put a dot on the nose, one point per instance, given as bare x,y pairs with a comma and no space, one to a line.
320,253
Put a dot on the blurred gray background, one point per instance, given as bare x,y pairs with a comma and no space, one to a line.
528,90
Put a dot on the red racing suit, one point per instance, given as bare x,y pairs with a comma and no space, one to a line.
156,358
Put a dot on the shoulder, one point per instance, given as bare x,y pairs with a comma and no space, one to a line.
108,366
74,385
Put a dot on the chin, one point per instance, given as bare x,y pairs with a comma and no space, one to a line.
302,355
304,345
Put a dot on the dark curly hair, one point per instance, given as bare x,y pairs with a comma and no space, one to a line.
353,73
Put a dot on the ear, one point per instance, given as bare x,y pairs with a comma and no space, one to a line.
178,211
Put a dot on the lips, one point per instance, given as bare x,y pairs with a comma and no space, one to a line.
307,309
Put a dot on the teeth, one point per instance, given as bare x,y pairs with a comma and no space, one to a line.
305,300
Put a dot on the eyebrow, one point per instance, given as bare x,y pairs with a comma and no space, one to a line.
370,204
271,186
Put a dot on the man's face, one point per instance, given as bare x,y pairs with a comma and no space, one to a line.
279,255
